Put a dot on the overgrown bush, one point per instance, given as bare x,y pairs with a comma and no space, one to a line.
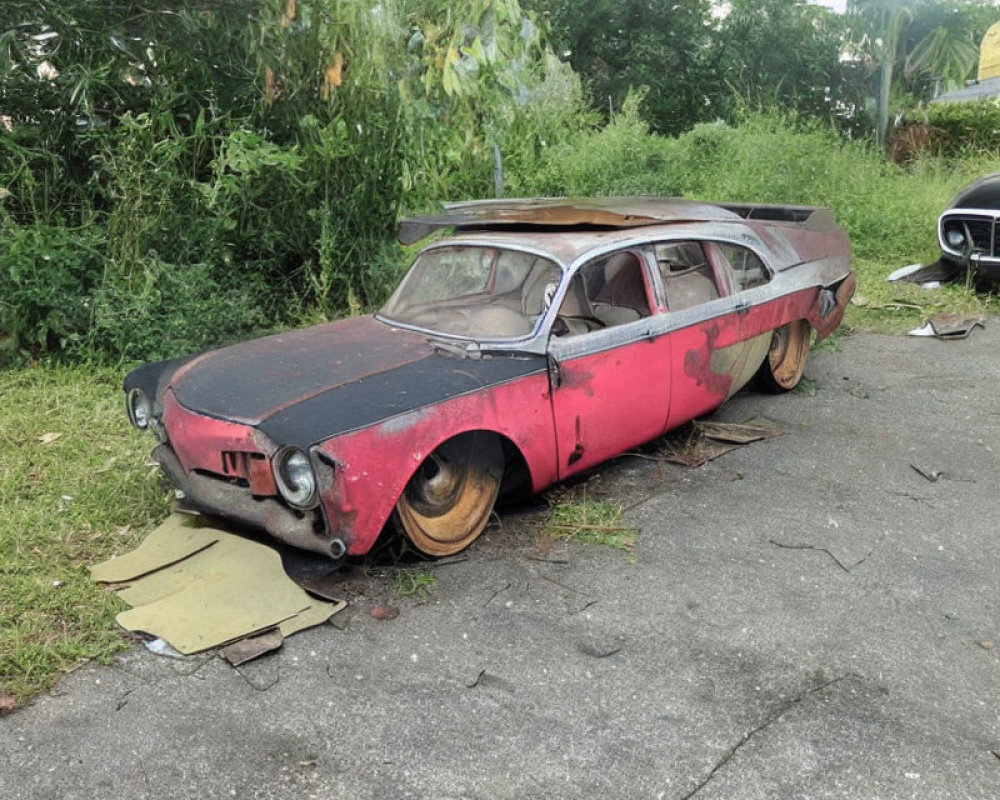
48,275
233,170
952,130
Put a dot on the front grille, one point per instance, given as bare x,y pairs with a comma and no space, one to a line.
250,469
982,230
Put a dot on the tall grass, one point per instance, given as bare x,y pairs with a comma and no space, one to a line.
889,211
74,490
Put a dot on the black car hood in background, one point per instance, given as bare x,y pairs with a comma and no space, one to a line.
304,386
983,193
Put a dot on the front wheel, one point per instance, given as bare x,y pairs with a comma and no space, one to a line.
786,359
449,499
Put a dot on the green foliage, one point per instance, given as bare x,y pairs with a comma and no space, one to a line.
592,521
786,54
412,583
232,169
908,45
960,129
163,309
621,158
46,285
619,46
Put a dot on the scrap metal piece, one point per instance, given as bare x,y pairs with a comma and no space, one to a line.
251,647
713,439
922,274
949,326
754,430
933,475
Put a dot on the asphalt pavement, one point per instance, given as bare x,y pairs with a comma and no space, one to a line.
812,616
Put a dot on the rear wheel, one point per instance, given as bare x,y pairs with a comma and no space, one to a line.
449,499
786,359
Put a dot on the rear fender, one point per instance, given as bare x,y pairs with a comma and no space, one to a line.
831,302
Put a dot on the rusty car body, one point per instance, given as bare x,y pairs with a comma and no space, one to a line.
536,340
969,231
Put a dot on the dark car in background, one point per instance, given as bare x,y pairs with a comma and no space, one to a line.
968,232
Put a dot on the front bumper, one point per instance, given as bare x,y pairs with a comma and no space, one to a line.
980,232
216,496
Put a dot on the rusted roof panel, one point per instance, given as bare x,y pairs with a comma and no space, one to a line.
585,213
599,213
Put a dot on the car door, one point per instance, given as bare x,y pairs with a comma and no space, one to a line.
610,369
714,353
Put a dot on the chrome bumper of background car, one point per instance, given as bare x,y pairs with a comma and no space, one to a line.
979,232
214,496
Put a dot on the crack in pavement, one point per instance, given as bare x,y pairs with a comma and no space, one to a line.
776,715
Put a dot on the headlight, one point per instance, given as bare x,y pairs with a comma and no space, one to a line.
293,472
140,409
955,238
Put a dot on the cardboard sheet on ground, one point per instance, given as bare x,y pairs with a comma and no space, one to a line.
176,539
223,591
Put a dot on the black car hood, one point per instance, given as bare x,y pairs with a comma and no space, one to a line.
303,386
983,193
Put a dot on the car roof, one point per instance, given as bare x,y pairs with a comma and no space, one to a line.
560,213
566,228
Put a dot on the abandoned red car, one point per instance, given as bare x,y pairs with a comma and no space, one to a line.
540,338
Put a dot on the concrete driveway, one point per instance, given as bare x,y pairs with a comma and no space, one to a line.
806,617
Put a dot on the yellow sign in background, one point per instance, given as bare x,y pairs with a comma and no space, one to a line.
989,54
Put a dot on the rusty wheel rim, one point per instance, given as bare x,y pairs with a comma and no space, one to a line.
448,501
789,353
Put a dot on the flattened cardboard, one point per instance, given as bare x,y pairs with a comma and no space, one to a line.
176,539
318,613
236,595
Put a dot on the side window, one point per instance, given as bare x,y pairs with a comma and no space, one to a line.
748,269
688,278
604,293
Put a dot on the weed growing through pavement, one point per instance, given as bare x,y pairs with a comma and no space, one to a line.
412,583
593,521
806,386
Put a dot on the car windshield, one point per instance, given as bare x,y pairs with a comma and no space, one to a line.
474,292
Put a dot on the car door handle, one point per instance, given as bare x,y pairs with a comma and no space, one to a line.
742,307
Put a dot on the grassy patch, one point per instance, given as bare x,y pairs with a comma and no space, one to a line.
412,583
75,489
592,521
806,386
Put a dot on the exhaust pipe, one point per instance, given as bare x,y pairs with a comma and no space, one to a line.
337,548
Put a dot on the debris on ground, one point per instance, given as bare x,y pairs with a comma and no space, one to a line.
931,474
706,441
197,588
950,326
753,430
249,648
929,276
160,647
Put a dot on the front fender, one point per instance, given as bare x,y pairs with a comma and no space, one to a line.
373,465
